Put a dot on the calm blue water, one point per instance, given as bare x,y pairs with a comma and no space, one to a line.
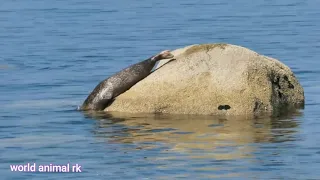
53,53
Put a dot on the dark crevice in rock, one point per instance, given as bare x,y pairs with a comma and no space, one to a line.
290,85
280,99
276,81
224,107
277,86
256,106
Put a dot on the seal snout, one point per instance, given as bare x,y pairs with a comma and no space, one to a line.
166,54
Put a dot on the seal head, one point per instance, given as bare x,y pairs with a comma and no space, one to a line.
166,54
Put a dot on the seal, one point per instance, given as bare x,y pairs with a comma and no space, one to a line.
105,92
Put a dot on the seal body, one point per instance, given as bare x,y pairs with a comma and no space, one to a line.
105,92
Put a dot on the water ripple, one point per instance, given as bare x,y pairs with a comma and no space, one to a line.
54,53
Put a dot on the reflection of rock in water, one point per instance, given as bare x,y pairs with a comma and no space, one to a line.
197,136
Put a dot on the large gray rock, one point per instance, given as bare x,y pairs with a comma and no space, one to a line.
214,79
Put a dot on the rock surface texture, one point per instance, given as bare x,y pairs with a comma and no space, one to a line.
214,79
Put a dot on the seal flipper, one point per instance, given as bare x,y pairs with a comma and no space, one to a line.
103,103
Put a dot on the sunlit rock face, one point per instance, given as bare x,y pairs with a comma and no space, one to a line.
214,79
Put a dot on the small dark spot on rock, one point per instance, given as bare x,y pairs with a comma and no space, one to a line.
276,81
224,107
280,94
256,105
291,86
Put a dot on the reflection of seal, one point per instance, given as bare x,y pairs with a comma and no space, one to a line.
107,90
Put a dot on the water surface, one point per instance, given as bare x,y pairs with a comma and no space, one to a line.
53,53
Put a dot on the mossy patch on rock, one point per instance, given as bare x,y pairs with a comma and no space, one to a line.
204,47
